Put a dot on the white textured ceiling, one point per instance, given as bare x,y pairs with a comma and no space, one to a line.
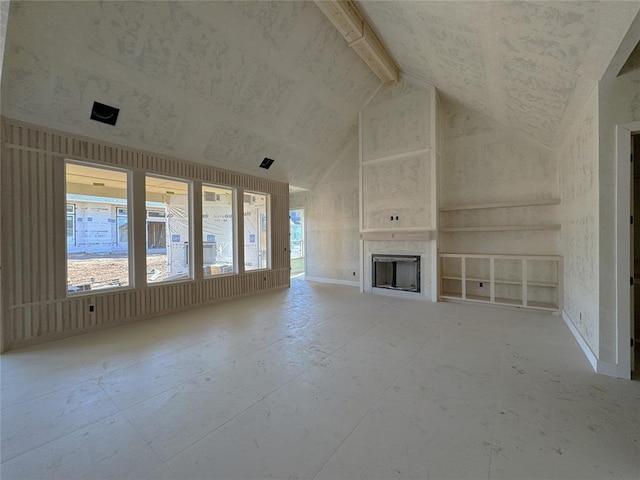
228,83
528,65
224,83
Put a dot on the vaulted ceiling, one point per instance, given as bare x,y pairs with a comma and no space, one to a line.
223,83
228,83
528,65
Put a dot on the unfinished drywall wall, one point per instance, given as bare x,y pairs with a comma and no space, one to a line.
578,165
398,177
619,104
397,189
331,217
396,159
484,162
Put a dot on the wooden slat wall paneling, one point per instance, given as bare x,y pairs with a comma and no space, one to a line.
49,278
40,214
32,256
18,227
59,232
4,265
33,286
9,233
280,236
58,316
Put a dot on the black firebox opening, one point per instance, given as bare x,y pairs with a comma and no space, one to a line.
396,272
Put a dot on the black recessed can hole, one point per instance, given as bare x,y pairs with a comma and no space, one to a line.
104,113
266,163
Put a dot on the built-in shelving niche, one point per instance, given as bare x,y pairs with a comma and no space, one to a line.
528,281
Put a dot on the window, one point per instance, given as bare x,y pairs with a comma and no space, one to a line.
296,241
122,225
256,231
217,230
168,229
71,224
156,214
97,248
296,233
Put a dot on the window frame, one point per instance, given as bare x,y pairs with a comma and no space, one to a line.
259,223
189,246
119,217
234,227
130,251
73,222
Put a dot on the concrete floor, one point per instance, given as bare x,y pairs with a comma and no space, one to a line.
320,382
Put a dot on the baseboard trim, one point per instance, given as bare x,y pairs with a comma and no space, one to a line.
334,281
609,369
586,349
599,366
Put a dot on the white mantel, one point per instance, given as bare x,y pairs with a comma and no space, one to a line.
392,234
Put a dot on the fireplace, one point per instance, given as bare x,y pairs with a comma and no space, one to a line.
396,272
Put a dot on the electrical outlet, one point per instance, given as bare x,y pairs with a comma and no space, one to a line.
354,274
92,309
481,284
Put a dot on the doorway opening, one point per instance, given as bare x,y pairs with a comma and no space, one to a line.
297,240
635,257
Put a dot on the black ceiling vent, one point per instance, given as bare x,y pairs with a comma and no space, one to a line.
266,163
104,113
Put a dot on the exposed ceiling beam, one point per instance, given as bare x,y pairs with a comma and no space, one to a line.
359,35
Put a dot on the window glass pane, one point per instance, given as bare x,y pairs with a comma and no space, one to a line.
256,231
96,257
71,225
296,233
123,230
217,230
168,229
122,224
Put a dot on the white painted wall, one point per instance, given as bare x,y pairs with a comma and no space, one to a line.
331,216
578,164
619,103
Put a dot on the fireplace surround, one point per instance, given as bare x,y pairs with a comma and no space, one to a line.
396,272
